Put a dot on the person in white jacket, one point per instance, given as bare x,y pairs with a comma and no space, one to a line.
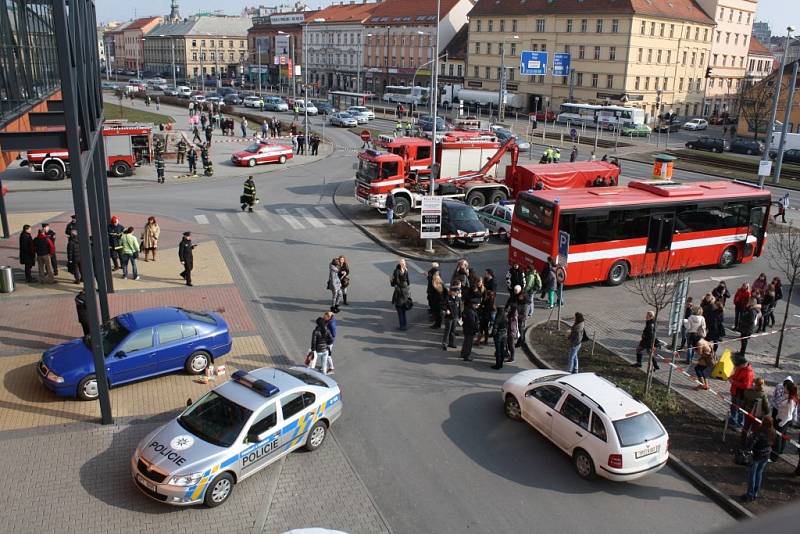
786,413
695,330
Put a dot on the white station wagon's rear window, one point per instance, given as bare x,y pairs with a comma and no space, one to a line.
638,429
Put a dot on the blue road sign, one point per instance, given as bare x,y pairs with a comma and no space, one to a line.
533,63
561,64
563,247
573,133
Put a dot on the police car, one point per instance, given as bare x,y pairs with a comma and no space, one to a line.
234,431
497,218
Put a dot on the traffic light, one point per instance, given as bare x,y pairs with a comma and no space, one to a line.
709,71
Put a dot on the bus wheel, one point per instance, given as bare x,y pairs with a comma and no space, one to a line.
497,196
618,273
120,168
728,258
402,207
476,199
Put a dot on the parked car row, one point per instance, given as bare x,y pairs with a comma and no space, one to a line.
740,145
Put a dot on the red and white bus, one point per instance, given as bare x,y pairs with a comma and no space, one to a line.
620,231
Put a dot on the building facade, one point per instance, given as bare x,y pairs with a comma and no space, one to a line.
729,50
133,43
400,35
335,46
622,52
273,41
205,46
760,62
756,103
454,61
762,31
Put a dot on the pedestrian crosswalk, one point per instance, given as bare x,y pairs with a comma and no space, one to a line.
269,219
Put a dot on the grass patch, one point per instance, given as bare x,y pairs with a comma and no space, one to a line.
115,111
695,435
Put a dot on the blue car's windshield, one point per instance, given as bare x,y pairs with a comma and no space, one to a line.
215,419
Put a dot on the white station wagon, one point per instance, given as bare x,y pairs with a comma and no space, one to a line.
605,430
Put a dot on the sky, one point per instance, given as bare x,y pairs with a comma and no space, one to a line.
779,13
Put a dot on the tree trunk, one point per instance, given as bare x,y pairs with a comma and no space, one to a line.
783,324
650,355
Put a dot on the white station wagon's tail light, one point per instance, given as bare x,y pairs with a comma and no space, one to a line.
615,461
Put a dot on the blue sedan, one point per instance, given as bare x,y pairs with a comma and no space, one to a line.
137,345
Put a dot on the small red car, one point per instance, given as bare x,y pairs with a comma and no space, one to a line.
262,152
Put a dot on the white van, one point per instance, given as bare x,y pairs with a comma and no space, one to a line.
184,91
792,140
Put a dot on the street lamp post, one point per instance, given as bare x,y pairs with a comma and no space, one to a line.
434,166
501,104
774,112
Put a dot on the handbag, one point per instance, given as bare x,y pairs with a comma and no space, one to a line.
311,359
585,338
409,303
743,457
701,331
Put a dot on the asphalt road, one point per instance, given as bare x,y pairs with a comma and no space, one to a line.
425,431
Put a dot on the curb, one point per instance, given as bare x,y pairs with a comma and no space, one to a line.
736,510
382,243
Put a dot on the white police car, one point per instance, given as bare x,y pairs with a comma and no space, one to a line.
233,431
497,218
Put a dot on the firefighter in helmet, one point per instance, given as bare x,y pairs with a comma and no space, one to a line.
249,195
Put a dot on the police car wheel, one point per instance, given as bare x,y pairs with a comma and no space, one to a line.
219,490
316,436
87,388
197,362
251,162
282,159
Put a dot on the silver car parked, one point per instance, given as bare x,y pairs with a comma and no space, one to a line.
234,431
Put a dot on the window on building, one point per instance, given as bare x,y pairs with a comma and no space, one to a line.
489,48
741,61
671,31
569,25
477,47
714,57
202,42
513,49
491,25
697,34
487,73
194,56
502,25
544,47
643,28
719,35
478,25
724,60
730,16
597,52
702,58
727,37
614,25
748,19
694,56
540,25
599,26
652,28
661,29
688,31
475,73
579,79
664,84
680,84
594,80
736,38
581,52
511,74
649,55
640,55
655,82
513,25
194,42
567,48
612,53
705,35
697,84
721,13
669,57
684,58
609,81
460,71
584,25
658,56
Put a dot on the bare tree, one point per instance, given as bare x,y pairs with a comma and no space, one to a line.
656,290
756,103
784,247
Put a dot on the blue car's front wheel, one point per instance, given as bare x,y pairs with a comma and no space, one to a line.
87,388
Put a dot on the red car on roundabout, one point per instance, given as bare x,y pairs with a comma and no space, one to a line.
262,152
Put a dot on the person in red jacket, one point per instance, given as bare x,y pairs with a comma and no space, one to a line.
741,380
740,301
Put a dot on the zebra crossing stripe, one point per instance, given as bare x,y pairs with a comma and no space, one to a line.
226,222
268,220
313,221
329,215
201,219
294,223
246,220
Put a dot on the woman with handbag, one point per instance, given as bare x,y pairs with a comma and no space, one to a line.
401,297
785,413
759,445
695,330
344,277
705,359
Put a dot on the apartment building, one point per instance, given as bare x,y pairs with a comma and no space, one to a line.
274,40
335,46
760,62
400,36
132,40
212,46
625,52
729,49
453,63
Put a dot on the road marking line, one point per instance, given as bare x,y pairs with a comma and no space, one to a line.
308,217
416,267
328,214
201,219
226,222
268,220
245,219
294,223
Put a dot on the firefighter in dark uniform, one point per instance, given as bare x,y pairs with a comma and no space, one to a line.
191,159
186,255
160,168
83,314
115,230
249,195
181,146
158,149
208,168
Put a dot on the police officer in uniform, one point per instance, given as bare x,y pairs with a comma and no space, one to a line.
160,168
83,314
186,255
181,146
249,195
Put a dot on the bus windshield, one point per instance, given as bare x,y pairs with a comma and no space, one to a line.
533,211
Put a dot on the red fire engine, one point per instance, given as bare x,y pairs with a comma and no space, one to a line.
404,172
126,147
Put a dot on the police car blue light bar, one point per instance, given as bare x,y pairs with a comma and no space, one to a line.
261,387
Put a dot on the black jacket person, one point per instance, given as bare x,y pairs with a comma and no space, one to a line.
186,255
249,194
